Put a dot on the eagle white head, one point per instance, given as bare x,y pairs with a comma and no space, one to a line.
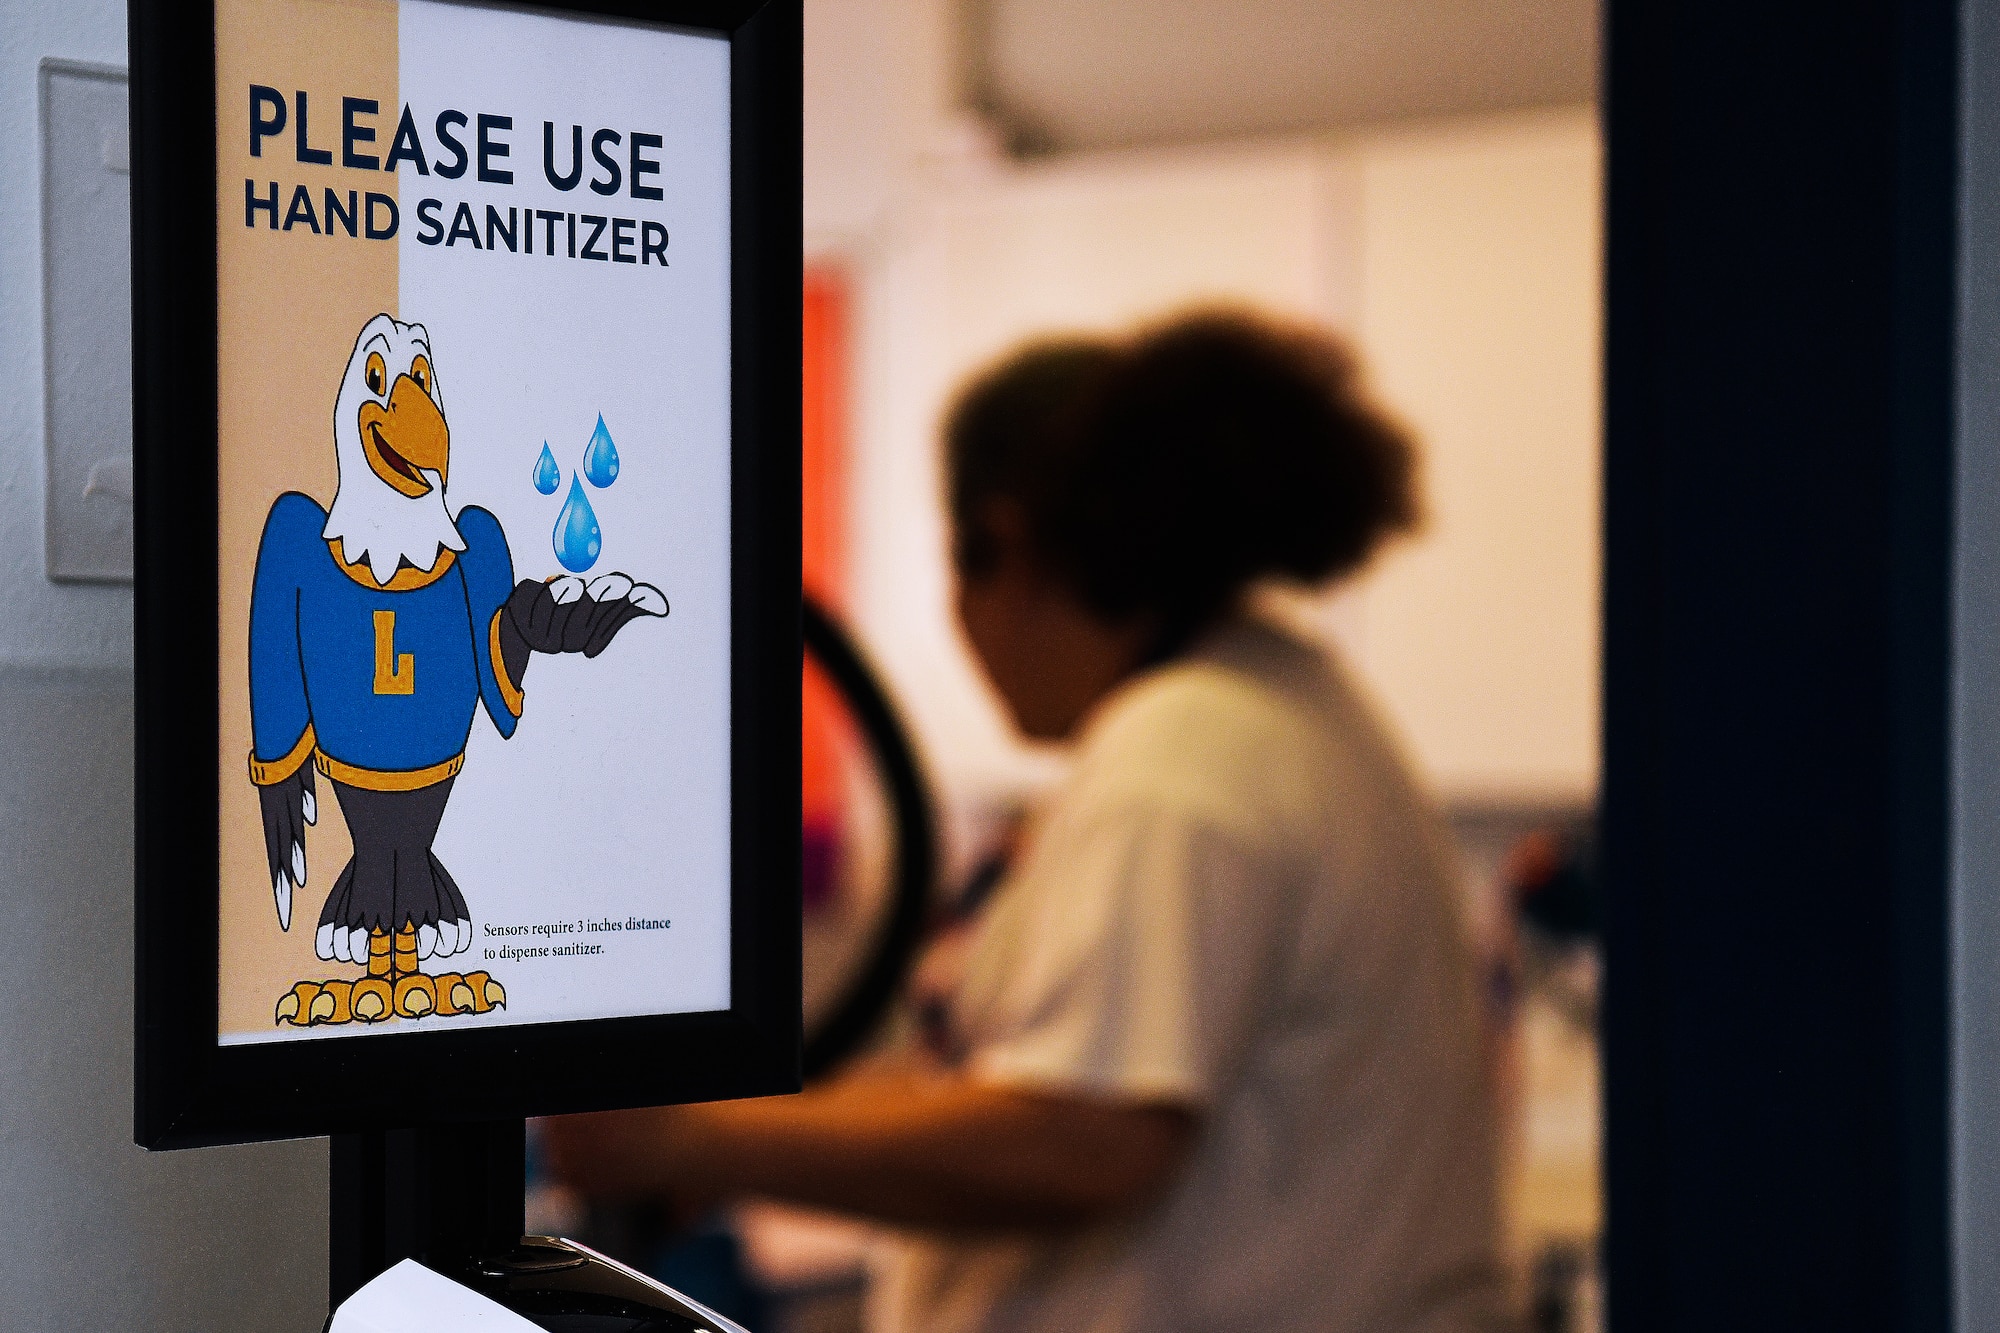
394,451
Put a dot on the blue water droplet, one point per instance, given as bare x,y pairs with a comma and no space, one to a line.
547,475
578,539
600,458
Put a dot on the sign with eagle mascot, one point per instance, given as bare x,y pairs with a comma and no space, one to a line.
378,629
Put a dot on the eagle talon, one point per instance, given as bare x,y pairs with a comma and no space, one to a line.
339,997
454,996
295,1005
311,1003
378,999
372,1001
415,996
486,993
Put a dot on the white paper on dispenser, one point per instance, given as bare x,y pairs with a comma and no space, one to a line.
410,1298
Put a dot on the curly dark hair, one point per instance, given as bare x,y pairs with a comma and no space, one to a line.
1161,474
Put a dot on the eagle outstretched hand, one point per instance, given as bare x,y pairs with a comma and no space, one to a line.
567,615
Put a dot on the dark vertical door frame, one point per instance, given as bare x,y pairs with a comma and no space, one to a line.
1975,1071
1778,501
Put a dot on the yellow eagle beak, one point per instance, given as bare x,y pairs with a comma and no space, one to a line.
405,439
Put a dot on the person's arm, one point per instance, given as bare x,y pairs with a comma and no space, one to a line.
946,1153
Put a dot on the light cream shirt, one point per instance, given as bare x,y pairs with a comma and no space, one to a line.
1239,902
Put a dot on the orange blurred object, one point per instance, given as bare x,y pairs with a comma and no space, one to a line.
823,432
824,448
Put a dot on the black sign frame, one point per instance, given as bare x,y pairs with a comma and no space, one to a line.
189,1089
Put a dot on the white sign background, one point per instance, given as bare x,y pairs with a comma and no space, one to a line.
612,798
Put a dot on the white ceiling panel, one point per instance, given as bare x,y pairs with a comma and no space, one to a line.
1103,73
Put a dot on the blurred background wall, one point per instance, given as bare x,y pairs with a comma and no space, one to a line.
1423,178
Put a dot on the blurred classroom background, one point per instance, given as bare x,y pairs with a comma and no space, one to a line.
1423,176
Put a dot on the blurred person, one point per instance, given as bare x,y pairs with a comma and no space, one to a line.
1219,1048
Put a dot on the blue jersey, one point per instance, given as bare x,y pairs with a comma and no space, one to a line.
380,684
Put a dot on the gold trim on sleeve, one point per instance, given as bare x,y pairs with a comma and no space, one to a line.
508,693
269,772
388,779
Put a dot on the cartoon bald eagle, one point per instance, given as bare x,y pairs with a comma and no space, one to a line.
377,630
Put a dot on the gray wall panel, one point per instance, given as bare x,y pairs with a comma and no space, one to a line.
94,1231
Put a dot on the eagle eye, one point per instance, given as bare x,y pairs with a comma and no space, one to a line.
377,374
420,371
